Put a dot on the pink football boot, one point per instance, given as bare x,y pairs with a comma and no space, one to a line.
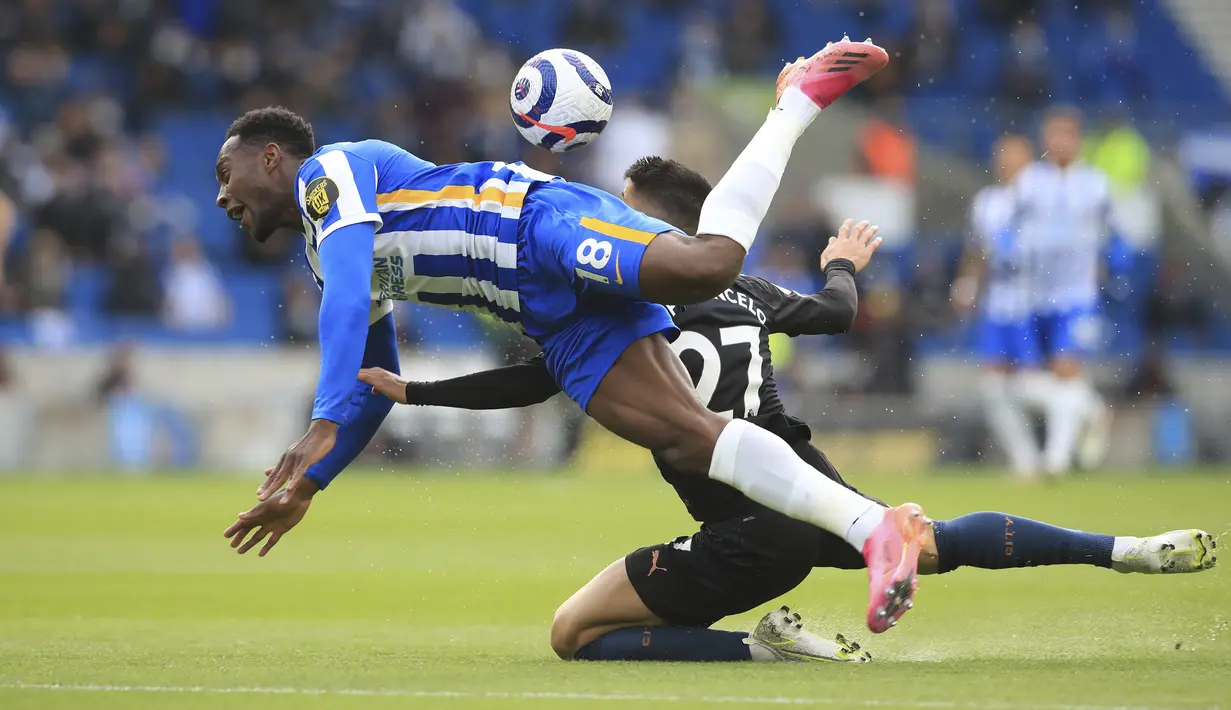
827,75
892,556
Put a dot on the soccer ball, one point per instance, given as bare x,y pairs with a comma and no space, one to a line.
560,100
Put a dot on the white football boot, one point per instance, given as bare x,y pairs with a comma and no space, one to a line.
1173,552
782,634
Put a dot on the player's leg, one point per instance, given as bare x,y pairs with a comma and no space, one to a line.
606,620
647,397
680,270
991,540
1073,401
1000,345
657,603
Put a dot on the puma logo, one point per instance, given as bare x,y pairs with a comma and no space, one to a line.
654,563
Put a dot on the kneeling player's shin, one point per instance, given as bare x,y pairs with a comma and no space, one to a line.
766,469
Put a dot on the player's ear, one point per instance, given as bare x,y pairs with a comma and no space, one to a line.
271,157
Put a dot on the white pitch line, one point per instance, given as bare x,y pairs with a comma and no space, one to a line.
532,695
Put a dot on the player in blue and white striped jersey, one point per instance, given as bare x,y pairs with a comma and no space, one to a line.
575,268
996,263
1062,213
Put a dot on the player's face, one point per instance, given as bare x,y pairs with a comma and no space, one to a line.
1062,139
247,190
1011,156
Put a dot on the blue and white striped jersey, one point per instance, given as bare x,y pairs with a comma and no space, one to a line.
1007,295
1062,215
445,235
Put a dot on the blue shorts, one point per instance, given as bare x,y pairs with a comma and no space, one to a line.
1038,339
1008,342
579,254
1069,333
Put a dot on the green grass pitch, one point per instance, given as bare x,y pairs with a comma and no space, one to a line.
437,592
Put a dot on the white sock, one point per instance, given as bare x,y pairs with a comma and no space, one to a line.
737,205
759,653
1066,413
1007,420
1120,546
764,468
1034,388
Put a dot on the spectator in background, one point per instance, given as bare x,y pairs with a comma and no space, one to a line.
45,278
441,41
84,216
134,289
491,133
750,37
130,419
8,227
1174,305
592,24
1123,154
700,55
301,308
14,418
886,146
1004,13
930,52
196,299
1027,73
642,130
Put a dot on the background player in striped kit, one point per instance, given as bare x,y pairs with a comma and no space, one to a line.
995,273
1062,213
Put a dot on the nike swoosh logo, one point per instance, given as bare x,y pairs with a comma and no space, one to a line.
619,279
568,133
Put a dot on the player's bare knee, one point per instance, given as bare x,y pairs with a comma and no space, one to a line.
565,632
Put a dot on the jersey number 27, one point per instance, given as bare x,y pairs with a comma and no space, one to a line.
712,369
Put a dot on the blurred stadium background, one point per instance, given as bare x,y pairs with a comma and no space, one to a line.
141,331
136,320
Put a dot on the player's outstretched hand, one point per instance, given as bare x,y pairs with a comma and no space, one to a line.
857,242
271,518
384,383
295,462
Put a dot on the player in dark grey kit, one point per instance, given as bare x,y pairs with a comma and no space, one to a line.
658,602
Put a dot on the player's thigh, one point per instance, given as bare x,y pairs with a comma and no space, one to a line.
606,603
647,397
1005,344
1070,336
727,568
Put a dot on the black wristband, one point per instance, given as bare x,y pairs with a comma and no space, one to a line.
841,265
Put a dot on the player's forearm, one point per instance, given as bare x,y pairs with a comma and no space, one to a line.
511,387
366,411
828,312
346,263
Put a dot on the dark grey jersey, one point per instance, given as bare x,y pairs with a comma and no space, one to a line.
724,343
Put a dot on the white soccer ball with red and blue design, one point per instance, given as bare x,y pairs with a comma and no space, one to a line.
560,100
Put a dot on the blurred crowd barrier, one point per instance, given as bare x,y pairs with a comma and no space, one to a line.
231,409
235,410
